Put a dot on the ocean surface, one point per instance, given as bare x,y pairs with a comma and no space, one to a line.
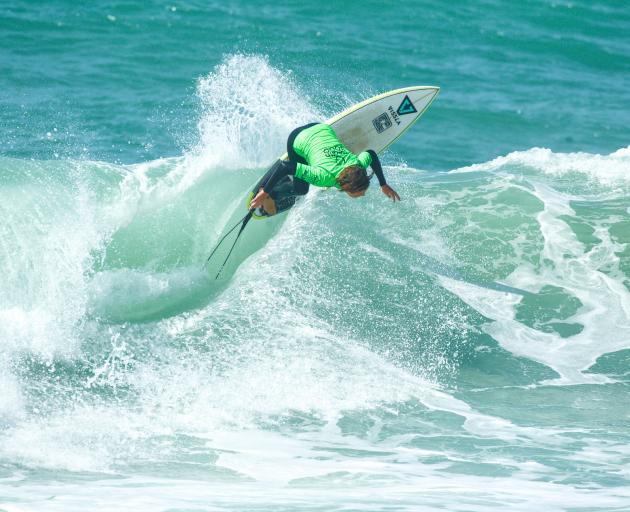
466,349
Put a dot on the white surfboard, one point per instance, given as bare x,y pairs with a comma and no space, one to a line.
374,124
377,122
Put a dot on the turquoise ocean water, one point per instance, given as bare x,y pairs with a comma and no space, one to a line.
466,349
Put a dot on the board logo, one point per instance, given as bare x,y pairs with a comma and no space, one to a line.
382,122
406,107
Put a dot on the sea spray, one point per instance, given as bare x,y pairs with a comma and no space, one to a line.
356,353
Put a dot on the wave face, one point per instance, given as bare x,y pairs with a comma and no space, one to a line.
466,348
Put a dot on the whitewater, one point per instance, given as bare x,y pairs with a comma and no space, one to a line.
465,349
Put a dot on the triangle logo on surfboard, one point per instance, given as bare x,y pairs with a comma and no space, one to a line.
406,107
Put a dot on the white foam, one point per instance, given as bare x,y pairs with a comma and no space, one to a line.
565,263
609,170
248,109
235,374
365,485
11,398
50,236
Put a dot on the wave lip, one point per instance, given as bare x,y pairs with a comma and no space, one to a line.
571,245
248,109
606,170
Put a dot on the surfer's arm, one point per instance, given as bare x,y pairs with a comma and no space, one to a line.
376,166
370,158
280,169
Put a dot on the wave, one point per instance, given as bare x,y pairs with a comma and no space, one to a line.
112,335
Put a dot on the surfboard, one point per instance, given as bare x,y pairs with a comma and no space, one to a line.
375,123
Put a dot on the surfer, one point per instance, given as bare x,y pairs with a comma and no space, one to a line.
318,157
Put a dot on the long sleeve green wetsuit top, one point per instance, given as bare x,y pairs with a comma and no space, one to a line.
326,158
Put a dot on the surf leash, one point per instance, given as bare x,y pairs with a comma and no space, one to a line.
243,222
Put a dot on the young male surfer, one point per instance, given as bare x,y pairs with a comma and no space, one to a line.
318,157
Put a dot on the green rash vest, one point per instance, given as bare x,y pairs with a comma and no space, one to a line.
326,156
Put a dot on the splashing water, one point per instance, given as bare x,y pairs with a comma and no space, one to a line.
465,347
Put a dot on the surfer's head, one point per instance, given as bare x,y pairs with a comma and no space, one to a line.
353,180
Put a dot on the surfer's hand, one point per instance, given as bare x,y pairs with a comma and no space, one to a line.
390,192
258,200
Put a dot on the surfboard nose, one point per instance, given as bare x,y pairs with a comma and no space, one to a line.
377,122
424,95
